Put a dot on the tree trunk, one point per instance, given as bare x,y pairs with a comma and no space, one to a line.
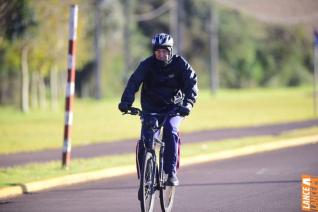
3,88
25,80
62,84
127,38
34,90
173,18
97,44
42,91
214,53
177,24
53,88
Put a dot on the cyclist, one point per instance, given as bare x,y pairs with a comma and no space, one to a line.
168,82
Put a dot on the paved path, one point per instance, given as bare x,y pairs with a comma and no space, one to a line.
262,182
128,146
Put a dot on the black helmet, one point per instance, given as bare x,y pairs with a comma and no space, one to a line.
162,40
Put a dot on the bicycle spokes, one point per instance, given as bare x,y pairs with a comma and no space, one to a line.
148,183
167,197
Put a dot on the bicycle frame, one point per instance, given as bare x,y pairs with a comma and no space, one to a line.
160,170
157,181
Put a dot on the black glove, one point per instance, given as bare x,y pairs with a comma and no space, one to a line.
183,111
123,107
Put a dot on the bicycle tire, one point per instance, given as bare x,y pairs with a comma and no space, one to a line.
167,198
147,183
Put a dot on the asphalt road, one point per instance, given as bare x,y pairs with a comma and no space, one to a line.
128,146
261,182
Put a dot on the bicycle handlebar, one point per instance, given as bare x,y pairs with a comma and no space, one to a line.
136,111
133,111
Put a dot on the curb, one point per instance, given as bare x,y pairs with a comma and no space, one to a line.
249,150
17,190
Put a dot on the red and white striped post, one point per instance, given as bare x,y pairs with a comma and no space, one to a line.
70,87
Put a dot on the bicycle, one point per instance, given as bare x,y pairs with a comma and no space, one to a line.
152,176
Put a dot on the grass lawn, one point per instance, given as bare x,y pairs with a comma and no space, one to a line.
23,174
100,121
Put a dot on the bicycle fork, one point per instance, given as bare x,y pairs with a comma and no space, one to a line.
160,171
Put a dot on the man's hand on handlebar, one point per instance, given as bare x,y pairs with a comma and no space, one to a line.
134,111
124,107
183,110
128,109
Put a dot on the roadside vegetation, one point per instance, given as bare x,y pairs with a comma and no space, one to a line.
251,53
100,121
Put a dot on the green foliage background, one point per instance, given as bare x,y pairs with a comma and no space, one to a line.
251,53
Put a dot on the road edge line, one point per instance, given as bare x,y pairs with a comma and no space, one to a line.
248,150
13,191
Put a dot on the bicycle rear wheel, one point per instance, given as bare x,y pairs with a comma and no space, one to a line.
167,198
147,183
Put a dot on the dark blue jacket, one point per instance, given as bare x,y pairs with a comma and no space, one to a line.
163,86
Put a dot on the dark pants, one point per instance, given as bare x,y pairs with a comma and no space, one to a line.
170,136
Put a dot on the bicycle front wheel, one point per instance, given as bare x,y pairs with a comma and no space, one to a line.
167,198
147,183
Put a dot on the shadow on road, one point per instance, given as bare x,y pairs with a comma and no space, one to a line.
239,183
135,187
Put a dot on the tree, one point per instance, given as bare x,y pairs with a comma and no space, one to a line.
17,25
283,54
49,48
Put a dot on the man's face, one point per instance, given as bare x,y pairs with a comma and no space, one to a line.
162,54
